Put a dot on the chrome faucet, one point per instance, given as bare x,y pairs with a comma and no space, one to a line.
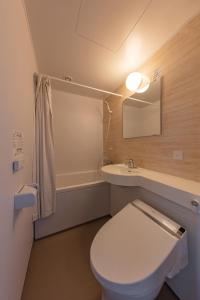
131,164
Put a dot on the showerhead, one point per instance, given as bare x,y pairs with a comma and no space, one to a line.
108,107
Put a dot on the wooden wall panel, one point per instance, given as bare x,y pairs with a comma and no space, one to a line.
179,64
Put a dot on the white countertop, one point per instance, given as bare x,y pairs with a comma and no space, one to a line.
179,190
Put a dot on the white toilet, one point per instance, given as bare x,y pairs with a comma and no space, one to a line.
135,251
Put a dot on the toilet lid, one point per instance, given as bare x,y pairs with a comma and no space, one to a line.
130,247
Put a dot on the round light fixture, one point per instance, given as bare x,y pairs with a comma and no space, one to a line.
137,82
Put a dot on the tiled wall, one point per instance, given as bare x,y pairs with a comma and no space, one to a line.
179,64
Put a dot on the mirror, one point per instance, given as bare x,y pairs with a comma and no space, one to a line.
143,118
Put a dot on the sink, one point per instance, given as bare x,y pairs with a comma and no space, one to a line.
181,191
124,169
119,169
120,174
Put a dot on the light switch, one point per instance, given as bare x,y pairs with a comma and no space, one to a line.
178,154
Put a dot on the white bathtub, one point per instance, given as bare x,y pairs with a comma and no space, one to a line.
80,197
77,180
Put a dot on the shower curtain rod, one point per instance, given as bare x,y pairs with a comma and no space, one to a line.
90,87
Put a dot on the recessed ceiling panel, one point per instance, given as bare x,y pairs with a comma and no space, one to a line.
109,22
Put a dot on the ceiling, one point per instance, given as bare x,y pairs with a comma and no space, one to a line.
98,42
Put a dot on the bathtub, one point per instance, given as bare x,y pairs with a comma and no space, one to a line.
80,197
77,180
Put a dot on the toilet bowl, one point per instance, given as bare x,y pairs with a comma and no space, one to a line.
135,251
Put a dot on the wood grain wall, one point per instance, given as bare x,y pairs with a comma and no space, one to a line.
179,64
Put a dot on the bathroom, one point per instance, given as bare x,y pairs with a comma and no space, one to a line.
100,152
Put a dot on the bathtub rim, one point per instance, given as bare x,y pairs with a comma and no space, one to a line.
97,171
79,186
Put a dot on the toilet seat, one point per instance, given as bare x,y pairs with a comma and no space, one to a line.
131,254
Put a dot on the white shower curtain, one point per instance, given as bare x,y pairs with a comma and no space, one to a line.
45,169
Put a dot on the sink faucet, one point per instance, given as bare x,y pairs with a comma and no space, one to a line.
131,164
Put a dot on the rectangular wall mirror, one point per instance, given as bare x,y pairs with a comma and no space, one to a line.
141,118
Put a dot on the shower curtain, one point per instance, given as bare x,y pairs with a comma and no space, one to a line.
44,154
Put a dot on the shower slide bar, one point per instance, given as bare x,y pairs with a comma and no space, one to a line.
70,82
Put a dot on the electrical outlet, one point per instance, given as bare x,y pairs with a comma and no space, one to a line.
178,154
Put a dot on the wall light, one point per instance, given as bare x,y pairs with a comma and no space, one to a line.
137,82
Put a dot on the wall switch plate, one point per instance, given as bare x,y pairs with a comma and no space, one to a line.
178,154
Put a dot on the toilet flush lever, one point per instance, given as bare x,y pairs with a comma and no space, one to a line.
196,204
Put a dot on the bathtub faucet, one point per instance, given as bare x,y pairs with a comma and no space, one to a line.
107,161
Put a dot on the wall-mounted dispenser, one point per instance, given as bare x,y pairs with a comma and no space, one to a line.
25,197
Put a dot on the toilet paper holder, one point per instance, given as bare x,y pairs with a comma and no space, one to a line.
25,197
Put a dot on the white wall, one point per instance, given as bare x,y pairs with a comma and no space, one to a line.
78,132
17,64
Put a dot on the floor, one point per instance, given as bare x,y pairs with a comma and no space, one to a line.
59,267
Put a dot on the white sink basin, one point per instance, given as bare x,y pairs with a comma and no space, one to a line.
120,174
179,190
